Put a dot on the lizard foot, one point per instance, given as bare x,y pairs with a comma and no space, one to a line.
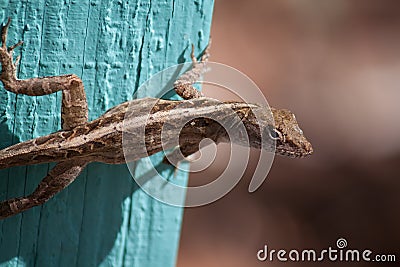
9,67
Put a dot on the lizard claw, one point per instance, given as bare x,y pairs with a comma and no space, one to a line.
206,53
11,48
204,56
4,31
6,56
194,59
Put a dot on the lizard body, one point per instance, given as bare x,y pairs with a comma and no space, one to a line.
116,136
101,140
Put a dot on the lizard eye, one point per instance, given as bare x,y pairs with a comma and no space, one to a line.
273,133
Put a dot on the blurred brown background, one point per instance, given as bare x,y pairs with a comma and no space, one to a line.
336,65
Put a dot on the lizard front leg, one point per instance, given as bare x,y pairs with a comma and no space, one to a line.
181,153
74,112
184,84
184,88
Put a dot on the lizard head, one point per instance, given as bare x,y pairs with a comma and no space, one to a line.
290,140
282,128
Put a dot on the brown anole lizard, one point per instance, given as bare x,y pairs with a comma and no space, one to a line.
81,142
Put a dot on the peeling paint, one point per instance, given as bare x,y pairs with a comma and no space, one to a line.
102,218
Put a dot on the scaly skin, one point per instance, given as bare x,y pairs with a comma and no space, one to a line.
135,129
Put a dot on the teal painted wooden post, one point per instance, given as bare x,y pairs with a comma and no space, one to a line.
103,218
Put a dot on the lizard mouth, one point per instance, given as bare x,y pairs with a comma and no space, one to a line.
294,154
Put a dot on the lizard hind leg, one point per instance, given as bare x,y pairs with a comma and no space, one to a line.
58,178
74,104
74,113
184,84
